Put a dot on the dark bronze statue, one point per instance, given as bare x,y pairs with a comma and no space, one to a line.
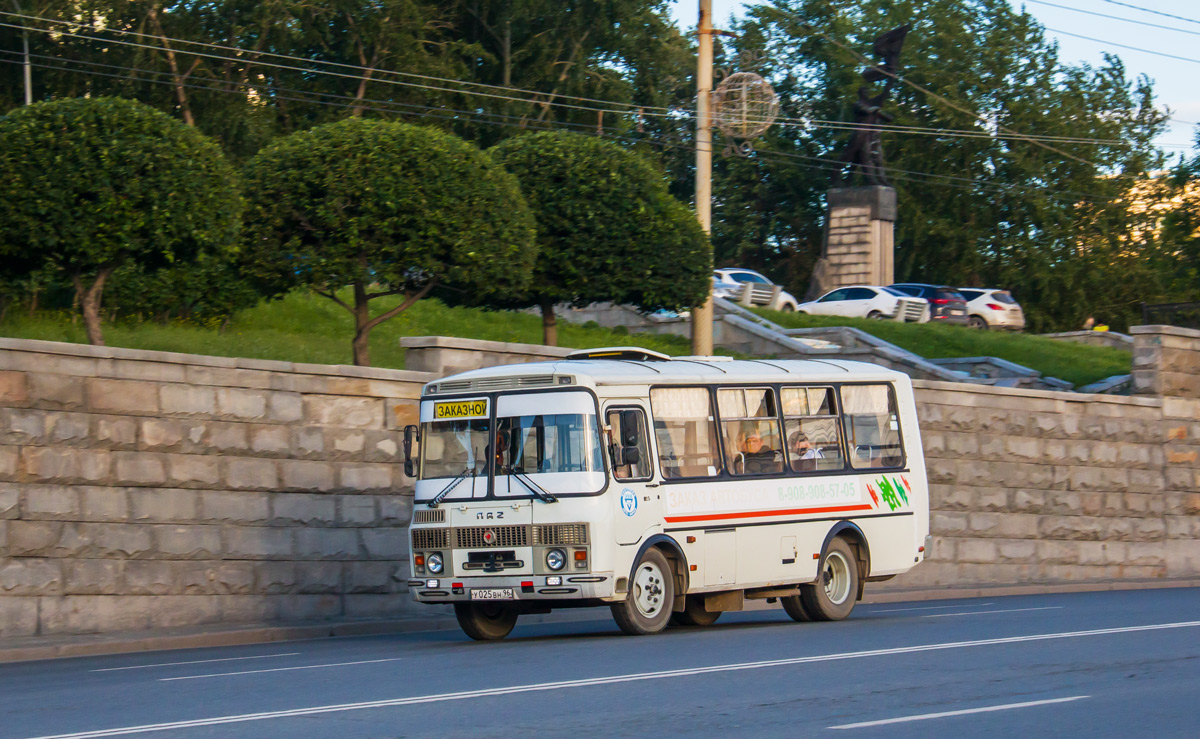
864,153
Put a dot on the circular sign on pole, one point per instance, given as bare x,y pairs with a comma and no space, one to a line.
744,105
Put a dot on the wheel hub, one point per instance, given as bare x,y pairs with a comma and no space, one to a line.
648,590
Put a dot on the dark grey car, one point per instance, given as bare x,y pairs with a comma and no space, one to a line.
946,305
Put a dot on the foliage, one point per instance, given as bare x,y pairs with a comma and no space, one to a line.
387,208
208,291
89,185
1078,363
607,227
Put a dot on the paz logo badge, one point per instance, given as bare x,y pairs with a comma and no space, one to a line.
628,502
489,537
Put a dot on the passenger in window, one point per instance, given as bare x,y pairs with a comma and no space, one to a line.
804,454
754,458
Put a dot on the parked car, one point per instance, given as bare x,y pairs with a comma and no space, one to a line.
946,305
729,283
991,308
867,301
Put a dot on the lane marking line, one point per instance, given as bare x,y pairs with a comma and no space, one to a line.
1002,610
931,608
278,669
195,662
610,680
963,712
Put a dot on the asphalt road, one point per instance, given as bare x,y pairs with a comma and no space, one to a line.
1121,664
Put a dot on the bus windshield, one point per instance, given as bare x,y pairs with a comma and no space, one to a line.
561,442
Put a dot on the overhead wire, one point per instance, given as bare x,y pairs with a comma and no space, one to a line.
1154,12
1124,46
1112,17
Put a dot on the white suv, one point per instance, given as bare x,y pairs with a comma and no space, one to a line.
729,283
991,308
868,301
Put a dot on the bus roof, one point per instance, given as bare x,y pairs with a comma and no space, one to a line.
672,371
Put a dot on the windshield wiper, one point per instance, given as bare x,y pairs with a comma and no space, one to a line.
446,490
538,491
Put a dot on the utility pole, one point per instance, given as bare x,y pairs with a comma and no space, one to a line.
28,69
702,316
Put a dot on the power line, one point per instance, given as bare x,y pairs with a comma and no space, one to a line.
1113,17
424,111
77,25
1125,46
1155,12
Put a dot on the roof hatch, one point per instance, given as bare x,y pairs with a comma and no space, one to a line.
634,353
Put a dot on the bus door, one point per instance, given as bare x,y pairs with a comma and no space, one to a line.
636,507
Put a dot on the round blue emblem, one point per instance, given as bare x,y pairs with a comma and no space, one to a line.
628,502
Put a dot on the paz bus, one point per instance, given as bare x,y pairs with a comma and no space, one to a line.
669,489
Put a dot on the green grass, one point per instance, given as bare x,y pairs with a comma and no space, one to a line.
307,328
1077,363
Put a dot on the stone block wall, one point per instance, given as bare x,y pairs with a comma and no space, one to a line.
1047,487
149,489
1166,361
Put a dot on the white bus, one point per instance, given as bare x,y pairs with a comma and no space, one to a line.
665,488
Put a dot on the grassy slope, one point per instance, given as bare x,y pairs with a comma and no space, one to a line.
1077,363
308,328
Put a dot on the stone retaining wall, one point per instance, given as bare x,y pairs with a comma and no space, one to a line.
1050,487
148,489
1166,361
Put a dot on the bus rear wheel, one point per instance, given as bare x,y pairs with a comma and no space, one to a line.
693,613
832,596
485,621
647,607
793,605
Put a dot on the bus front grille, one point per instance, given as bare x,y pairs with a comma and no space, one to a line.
501,536
430,539
560,534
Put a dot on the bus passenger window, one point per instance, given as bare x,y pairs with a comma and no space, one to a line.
811,429
751,427
618,435
872,426
685,432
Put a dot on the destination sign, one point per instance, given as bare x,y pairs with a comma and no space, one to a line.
460,409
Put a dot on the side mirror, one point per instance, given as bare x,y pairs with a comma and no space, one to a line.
410,433
632,455
630,428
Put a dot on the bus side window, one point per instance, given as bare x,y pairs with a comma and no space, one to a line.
626,425
872,426
811,429
685,432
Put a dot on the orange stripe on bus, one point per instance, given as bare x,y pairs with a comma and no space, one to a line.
756,514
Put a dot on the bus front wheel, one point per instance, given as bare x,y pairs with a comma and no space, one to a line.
832,596
485,621
647,607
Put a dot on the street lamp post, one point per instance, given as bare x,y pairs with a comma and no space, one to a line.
702,316
28,69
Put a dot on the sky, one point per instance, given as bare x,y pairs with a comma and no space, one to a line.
1174,78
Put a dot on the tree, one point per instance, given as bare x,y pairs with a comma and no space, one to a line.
386,209
89,185
608,229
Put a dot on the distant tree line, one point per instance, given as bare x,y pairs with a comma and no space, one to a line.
1013,169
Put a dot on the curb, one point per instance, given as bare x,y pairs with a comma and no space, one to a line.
27,649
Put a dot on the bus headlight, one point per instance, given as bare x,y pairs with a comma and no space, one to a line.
556,559
434,563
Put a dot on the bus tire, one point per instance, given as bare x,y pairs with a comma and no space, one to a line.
832,596
647,606
693,613
793,605
485,621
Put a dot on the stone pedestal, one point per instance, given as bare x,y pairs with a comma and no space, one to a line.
859,247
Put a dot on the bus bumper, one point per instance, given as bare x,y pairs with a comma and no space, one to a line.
512,588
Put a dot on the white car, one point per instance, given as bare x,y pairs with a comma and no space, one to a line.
991,308
868,301
729,283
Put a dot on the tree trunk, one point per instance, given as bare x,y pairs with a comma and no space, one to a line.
549,324
178,79
362,329
89,303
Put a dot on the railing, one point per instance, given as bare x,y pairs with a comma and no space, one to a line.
1184,315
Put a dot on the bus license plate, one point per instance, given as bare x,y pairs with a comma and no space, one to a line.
492,594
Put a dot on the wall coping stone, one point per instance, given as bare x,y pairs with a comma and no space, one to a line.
203,360
455,342
1010,392
1116,337
1186,333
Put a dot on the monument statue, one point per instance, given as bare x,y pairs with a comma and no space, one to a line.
864,153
